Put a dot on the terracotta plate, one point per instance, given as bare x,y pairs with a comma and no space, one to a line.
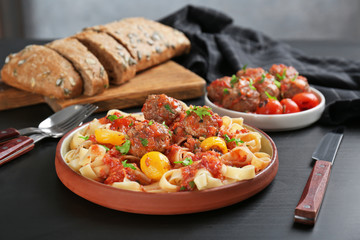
164,203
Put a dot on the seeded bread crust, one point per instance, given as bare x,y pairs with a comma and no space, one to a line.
41,70
117,61
122,48
149,42
95,78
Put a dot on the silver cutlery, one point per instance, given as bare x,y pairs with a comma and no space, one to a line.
71,115
54,126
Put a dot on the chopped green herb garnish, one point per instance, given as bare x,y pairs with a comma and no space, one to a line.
283,76
244,68
151,122
269,96
144,141
84,137
251,84
125,164
295,77
182,188
124,149
186,162
131,123
233,80
227,138
113,117
236,140
226,91
277,83
165,125
262,78
167,106
106,148
192,184
200,111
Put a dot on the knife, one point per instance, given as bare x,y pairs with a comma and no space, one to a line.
15,147
308,208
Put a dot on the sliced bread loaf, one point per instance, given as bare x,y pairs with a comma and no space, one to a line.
41,70
149,42
92,72
116,60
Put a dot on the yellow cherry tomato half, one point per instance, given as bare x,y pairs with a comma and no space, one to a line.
154,165
109,136
216,143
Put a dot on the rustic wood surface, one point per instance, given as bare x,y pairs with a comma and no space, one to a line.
14,98
169,78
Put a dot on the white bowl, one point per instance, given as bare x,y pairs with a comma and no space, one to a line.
276,122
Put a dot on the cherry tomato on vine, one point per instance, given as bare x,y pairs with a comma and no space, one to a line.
306,100
289,106
269,106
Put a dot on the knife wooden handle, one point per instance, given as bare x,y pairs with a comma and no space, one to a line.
8,133
309,205
14,148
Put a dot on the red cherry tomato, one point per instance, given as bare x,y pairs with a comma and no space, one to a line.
269,106
306,100
289,106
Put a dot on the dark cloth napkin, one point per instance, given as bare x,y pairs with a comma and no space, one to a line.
220,49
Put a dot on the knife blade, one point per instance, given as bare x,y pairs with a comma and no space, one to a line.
309,205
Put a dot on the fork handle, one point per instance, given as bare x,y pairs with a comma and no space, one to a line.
15,147
8,133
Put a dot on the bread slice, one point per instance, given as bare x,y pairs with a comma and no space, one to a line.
92,72
41,70
117,61
149,42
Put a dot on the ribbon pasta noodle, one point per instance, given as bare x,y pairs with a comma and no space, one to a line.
178,148
204,180
128,185
171,180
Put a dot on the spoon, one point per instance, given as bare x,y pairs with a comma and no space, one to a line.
53,124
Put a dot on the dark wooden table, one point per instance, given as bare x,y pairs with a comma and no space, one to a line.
34,204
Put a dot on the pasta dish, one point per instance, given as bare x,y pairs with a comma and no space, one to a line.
171,147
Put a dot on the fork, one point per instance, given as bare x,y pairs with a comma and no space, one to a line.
13,148
68,115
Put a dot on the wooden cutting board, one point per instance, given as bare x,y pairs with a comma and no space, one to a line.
169,78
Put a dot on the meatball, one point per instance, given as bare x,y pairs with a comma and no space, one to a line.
242,97
148,136
291,87
253,73
218,88
201,122
282,71
266,84
162,108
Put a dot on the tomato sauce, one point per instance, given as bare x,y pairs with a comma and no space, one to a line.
209,160
123,124
117,171
171,153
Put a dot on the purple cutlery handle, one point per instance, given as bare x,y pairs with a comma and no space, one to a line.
14,148
308,208
8,133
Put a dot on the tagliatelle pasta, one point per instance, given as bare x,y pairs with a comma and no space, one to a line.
170,148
